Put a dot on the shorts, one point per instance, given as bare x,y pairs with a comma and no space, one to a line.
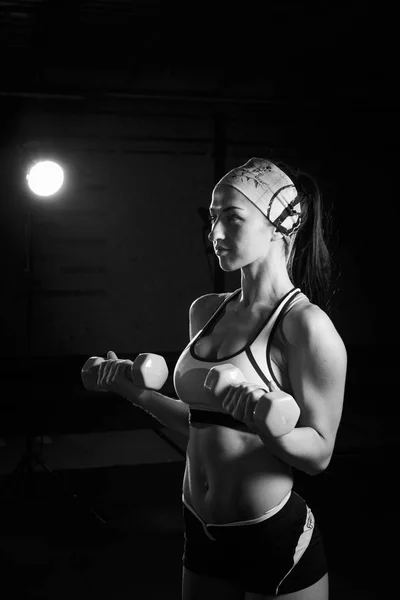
280,552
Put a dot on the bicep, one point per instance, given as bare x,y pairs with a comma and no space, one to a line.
317,370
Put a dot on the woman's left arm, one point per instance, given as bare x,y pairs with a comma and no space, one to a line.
317,365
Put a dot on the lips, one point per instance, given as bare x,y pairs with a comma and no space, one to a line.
221,250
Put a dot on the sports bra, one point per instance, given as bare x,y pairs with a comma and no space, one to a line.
254,361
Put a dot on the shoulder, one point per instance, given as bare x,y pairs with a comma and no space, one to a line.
201,310
306,324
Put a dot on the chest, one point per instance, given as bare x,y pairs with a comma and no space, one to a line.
228,336
232,333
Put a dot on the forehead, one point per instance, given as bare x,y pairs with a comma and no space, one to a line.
226,195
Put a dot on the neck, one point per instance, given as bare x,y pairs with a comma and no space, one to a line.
264,285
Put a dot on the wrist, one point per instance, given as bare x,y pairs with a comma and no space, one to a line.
138,396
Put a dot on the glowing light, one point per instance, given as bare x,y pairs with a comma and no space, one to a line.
45,178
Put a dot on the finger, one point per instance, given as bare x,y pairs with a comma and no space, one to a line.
111,355
249,408
229,399
100,373
119,371
239,408
246,402
232,401
106,366
272,386
111,371
238,402
245,389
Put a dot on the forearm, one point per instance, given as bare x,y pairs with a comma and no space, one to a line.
302,448
171,412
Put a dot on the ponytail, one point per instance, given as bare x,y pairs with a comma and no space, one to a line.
308,258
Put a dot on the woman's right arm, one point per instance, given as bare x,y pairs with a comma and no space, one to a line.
171,412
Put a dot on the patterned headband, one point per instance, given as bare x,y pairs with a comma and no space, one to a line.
271,190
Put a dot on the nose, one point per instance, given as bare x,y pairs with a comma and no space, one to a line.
216,232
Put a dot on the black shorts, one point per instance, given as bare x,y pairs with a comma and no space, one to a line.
274,555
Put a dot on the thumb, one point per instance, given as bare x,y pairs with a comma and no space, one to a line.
111,355
272,386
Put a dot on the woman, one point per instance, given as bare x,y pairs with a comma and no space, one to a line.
248,534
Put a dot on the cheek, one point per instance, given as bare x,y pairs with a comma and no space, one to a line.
251,238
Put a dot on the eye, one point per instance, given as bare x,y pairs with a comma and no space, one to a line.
231,218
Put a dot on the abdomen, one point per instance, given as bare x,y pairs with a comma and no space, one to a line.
231,476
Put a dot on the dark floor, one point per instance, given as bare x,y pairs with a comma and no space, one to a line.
107,522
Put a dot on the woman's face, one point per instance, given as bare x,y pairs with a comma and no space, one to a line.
240,233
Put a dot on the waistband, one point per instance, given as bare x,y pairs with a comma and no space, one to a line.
267,515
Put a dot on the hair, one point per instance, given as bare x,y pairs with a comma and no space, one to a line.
308,258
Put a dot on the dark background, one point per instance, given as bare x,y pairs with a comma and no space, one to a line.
146,104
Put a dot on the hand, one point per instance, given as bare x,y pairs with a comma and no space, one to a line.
269,412
240,401
111,375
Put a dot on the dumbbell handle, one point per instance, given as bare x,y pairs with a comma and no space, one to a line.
90,370
279,412
147,371
93,363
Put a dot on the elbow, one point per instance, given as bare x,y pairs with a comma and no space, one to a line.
319,466
321,458
312,467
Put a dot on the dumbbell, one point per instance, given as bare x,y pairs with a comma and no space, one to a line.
147,371
278,412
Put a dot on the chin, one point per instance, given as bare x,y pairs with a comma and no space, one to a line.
229,265
229,268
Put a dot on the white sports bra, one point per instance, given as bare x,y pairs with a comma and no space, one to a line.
254,361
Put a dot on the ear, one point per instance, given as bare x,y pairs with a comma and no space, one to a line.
276,235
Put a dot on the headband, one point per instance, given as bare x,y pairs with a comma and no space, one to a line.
270,190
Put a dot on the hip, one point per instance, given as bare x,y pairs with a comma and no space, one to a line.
261,555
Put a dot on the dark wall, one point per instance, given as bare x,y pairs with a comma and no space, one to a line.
120,254
146,108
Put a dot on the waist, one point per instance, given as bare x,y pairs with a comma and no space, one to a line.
231,475
266,515
200,416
